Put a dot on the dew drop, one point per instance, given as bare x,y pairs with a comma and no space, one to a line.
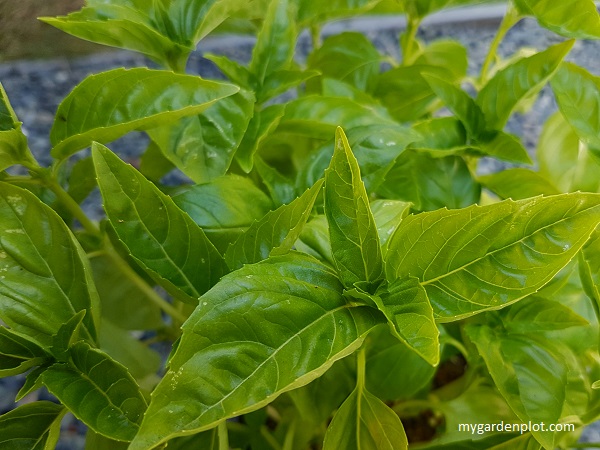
566,247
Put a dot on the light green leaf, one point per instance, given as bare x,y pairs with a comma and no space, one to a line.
33,426
224,208
98,391
518,82
535,315
480,258
275,233
388,214
281,81
353,234
233,70
564,159
571,18
312,12
314,239
528,372
450,55
578,97
13,143
202,146
157,234
364,422
589,267
276,41
44,276
441,136
95,441
430,183
518,184
265,329
108,105
18,353
422,8
349,57
504,146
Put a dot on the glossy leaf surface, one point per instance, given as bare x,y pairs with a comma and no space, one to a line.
264,329
160,237
518,184
352,230
44,277
33,426
108,105
482,258
17,353
388,214
98,391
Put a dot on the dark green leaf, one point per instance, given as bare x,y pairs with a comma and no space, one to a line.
66,336
518,184
202,146
33,426
353,234
160,237
487,257
571,18
95,441
280,187
224,208
518,82
275,233
123,100
44,276
17,353
264,329
33,381
98,391
154,164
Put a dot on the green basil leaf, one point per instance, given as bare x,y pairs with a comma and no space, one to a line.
66,336
154,165
564,160
18,353
504,146
487,257
44,275
280,187
207,440
364,422
518,82
406,306
224,208
158,235
450,55
202,146
578,98
518,184
388,214
560,17
441,136
536,315
122,26
387,360
589,267
314,239
123,100
13,143
276,41
353,234
422,8
34,426
265,329
275,233
98,391
349,57
233,70
311,12
529,374
282,81
430,183
262,124
95,441
33,381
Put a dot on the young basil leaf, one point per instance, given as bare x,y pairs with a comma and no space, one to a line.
564,160
66,336
158,235
18,353
578,97
518,82
535,315
518,184
280,187
364,422
450,55
44,275
430,183
487,257
123,100
113,404
276,41
405,304
504,146
33,381
353,234
233,70
441,136
529,374
34,426
388,214
265,329
275,233
202,146
13,143
571,18
314,239
349,57
122,26
282,81
387,360
224,208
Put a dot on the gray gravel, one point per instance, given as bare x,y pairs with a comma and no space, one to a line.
36,88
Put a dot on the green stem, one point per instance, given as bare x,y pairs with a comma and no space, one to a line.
361,363
223,436
408,39
510,19
315,37
126,270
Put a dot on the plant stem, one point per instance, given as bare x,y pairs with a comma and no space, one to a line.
360,368
315,37
223,436
510,19
408,39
